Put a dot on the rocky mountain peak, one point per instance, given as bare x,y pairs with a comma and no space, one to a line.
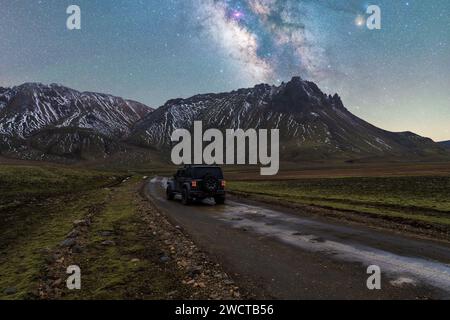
32,107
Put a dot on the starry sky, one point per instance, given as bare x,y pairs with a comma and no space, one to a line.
397,78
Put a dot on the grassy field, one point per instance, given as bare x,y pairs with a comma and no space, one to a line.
38,207
424,199
22,183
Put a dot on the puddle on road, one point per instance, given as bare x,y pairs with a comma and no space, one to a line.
297,232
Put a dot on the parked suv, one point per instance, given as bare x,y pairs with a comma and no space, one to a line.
197,183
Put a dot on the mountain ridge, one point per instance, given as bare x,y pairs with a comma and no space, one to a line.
313,125
38,120
80,123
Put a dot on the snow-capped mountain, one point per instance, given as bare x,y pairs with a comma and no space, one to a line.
54,122
31,107
47,122
312,125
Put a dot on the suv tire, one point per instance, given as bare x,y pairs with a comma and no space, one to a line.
169,194
185,197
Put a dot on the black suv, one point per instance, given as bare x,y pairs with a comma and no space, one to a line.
197,183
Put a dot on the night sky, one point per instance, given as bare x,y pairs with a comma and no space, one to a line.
397,78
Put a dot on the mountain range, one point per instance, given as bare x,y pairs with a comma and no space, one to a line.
54,122
50,122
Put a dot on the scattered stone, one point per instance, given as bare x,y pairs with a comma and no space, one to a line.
50,259
106,233
80,223
10,291
77,249
164,259
68,243
229,282
172,293
73,234
135,260
108,243
194,271
57,283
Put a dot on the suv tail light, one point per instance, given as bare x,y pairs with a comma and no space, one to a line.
194,184
223,183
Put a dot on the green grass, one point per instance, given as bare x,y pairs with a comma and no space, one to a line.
38,208
425,199
25,182
108,271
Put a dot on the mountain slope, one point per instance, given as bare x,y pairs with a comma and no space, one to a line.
31,107
312,125
445,144
52,122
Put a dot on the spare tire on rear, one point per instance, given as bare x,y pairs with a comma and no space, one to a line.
210,184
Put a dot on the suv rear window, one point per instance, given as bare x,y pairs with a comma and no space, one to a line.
200,172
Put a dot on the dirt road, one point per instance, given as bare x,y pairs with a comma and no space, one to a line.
279,254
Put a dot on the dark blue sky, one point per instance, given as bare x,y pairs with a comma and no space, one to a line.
152,50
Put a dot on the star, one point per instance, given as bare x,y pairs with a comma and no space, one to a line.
359,21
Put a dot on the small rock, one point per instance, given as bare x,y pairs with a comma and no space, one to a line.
164,259
10,291
80,223
77,249
57,283
229,282
73,234
108,243
50,259
68,243
135,260
195,271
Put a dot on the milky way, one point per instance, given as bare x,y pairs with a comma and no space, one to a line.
273,37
